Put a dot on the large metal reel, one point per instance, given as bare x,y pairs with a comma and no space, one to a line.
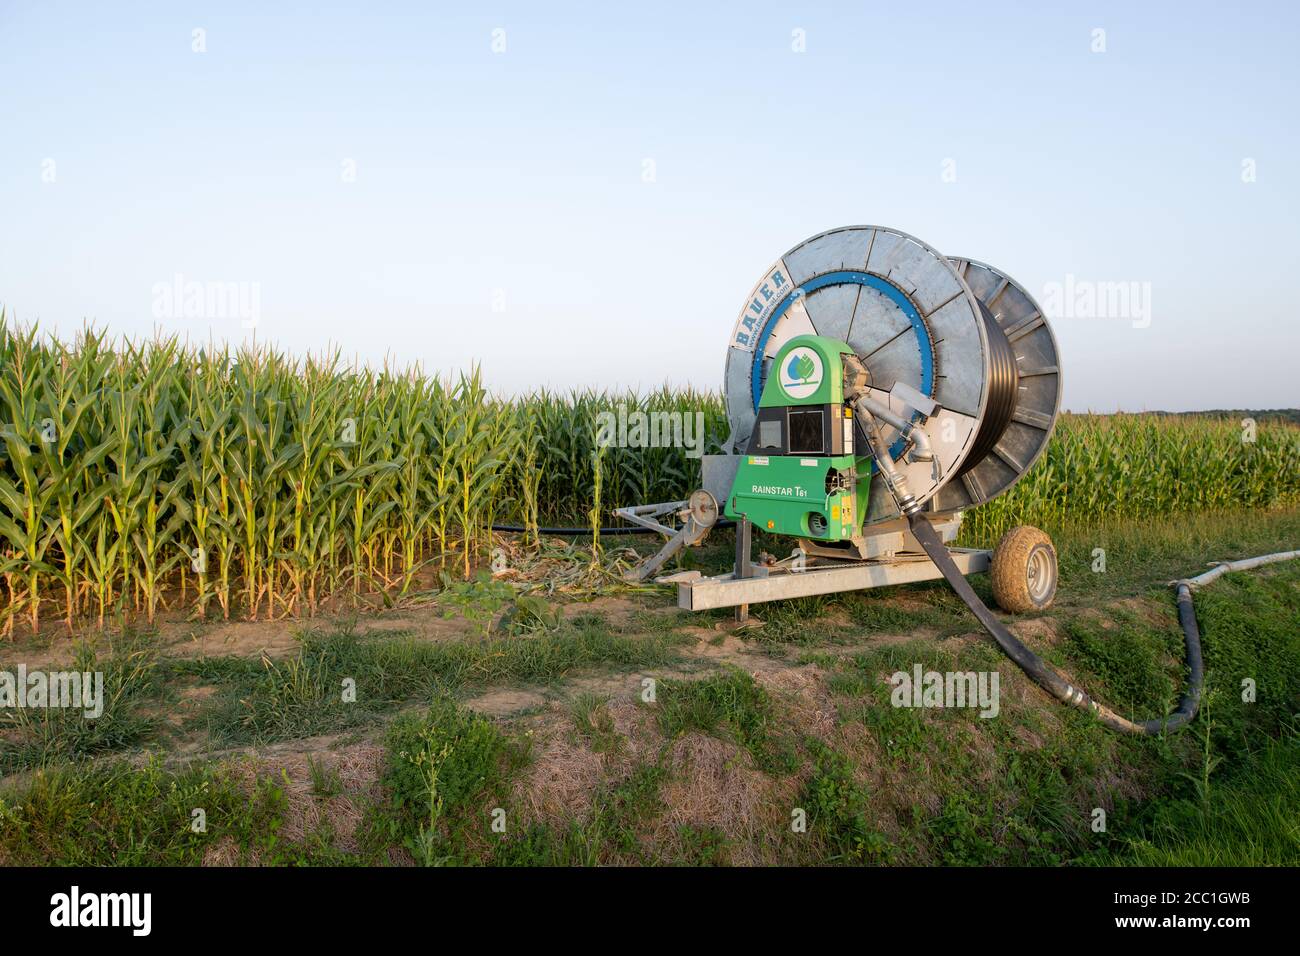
904,310
1037,395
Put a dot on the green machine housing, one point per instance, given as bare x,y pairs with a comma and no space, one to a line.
800,475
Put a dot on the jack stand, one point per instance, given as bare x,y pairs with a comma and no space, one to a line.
744,569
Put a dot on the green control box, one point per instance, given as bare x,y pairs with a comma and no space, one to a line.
800,474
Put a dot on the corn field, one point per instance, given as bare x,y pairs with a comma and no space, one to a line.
152,475
1132,467
138,477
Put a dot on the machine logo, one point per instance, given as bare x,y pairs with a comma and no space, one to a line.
801,372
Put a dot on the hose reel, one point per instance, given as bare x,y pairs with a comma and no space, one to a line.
929,331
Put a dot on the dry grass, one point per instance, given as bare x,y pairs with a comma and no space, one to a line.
803,692
356,769
559,785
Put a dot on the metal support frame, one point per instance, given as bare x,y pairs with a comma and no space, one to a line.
697,515
744,562
740,591
744,548
646,515
889,555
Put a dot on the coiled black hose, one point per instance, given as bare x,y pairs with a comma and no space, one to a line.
1004,389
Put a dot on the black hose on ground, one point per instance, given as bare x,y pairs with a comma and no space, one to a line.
562,532
1045,676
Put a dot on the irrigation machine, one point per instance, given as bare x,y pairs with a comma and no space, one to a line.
875,390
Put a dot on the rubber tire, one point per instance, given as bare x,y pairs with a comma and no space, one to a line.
1010,570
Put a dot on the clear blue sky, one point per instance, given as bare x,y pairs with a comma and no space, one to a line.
523,171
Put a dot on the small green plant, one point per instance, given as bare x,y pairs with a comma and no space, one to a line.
428,761
438,763
530,614
594,723
479,599
621,812
325,780
837,810
1209,760
961,831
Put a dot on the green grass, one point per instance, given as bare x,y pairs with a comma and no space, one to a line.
439,764
837,808
1250,817
1252,628
594,724
1128,657
122,815
620,813
304,695
1034,803
40,737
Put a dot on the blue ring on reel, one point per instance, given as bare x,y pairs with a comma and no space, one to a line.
844,277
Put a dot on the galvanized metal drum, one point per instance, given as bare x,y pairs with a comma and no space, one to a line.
1037,394
922,333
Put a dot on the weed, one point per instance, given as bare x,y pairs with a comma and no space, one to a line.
837,810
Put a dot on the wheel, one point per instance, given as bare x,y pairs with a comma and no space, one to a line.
703,508
1024,570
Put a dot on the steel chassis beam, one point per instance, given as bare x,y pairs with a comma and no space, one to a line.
728,590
